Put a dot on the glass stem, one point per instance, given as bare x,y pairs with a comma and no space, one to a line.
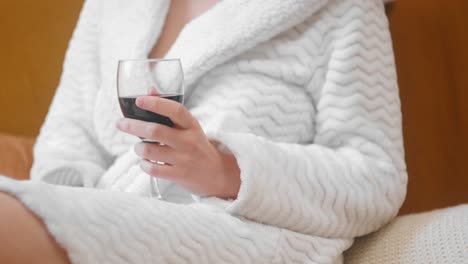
155,192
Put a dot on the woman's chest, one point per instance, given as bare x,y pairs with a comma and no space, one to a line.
179,14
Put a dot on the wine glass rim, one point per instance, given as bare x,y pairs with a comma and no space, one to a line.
149,60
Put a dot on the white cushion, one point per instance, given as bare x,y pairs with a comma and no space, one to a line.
439,236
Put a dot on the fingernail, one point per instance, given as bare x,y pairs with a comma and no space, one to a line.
140,101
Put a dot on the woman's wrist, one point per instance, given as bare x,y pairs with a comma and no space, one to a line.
230,177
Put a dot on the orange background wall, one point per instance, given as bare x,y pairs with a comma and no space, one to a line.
431,48
34,36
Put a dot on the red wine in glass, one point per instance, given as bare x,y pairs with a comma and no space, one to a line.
131,110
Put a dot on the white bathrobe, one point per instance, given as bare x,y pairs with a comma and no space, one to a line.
302,92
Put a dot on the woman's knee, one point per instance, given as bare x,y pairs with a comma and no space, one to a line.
23,236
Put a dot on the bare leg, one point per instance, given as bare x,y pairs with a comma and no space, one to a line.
23,237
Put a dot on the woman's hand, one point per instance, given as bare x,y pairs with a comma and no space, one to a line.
189,158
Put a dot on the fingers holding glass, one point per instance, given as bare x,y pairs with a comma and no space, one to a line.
156,153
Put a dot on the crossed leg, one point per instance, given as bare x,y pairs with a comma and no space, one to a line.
23,237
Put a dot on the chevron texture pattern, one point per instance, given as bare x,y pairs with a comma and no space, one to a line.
312,116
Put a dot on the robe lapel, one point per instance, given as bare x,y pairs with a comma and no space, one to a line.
130,28
232,27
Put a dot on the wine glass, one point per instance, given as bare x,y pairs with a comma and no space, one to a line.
156,77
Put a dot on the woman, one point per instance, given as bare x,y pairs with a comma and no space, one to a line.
291,135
